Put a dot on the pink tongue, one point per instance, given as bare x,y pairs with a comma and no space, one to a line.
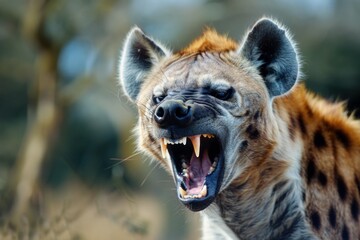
198,170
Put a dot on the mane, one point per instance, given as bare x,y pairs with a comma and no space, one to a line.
209,41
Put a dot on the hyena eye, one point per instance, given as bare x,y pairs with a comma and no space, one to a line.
223,94
158,99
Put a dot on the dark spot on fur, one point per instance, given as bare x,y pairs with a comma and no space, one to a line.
247,112
288,232
243,145
357,182
355,209
343,138
308,110
310,169
322,178
341,187
332,217
280,199
334,148
237,217
256,115
292,127
303,195
151,138
302,124
252,132
345,233
319,140
315,220
275,223
236,187
278,186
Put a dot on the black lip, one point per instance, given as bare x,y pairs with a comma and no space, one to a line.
213,183
177,132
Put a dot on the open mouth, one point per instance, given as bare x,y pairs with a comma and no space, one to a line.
198,168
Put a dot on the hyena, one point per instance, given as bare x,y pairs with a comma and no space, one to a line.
247,145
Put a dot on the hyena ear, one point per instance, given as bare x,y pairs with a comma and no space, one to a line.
140,53
268,46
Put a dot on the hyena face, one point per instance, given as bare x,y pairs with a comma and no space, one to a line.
202,110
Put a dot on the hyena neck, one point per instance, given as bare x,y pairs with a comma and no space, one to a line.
266,201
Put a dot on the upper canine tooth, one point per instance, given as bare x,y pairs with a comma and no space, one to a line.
163,147
203,191
196,144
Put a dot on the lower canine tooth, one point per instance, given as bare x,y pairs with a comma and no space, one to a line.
182,192
211,169
203,191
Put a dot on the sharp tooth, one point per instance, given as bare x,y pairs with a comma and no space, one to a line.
184,165
214,163
196,144
183,141
163,147
182,192
211,170
208,135
203,191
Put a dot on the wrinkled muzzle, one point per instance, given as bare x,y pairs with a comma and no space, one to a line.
195,153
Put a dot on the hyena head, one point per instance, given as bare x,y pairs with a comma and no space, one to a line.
205,112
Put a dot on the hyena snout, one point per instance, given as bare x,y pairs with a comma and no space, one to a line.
173,112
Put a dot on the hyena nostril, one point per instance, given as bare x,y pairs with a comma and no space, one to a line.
160,112
160,115
173,112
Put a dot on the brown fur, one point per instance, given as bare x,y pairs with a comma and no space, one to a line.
331,160
210,41
330,157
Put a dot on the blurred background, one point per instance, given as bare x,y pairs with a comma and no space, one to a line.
68,165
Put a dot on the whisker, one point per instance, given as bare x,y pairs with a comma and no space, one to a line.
125,159
148,175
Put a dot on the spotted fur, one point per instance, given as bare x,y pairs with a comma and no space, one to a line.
292,168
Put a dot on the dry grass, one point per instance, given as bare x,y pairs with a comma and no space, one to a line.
76,212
